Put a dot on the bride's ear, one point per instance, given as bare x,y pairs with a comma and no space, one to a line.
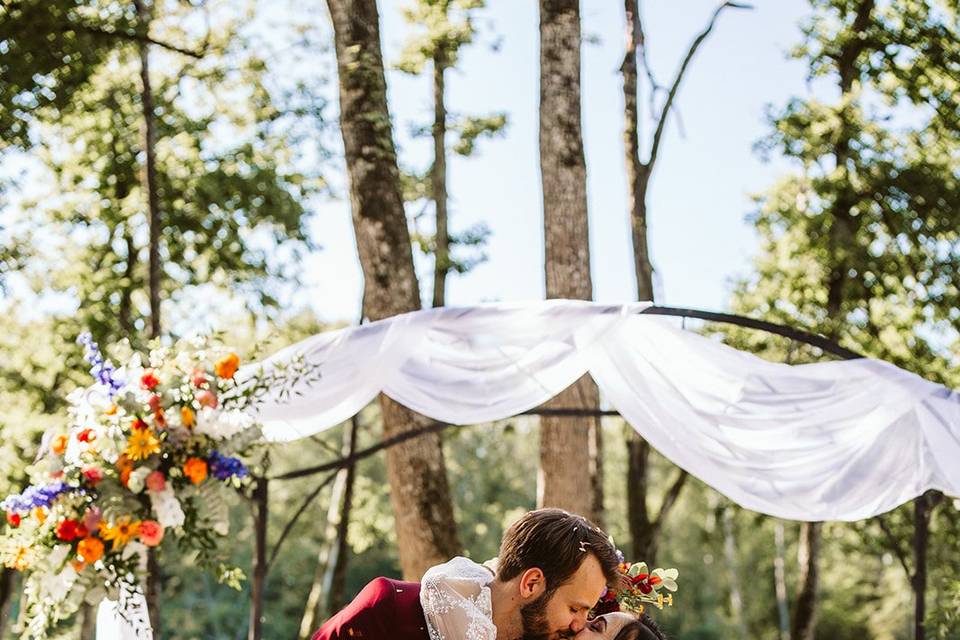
532,583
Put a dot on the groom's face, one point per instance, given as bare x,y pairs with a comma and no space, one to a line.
561,613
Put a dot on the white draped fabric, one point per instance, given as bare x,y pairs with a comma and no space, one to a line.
826,441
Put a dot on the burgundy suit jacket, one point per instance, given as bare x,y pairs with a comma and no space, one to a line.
384,610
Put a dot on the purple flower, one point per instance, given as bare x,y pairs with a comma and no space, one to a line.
224,467
34,496
101,369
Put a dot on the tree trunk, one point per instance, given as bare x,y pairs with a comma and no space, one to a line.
336,580
88,622
7,581
328,557
803,625
565,440
441,265
780,582
730,551
150,171
419,491
261,496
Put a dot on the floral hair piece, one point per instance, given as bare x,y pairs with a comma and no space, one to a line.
638,587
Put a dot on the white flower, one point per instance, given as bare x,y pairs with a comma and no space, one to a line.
137,479
137,549
221,425
167,507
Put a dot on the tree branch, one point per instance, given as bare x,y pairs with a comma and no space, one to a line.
672,94
895,545
133,37
670,499
303,507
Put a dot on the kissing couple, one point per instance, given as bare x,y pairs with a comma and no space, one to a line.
547,581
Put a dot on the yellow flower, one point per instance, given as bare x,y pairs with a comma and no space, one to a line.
187,417
227,366
142,444
23,558
121,532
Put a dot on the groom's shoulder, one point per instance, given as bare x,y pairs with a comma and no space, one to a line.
376,611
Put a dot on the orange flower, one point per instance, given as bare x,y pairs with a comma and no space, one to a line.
78,565
60,444
40,514
187,417
90,549
112,411
227,366
196,470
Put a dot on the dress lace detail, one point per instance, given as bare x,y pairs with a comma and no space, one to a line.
455,597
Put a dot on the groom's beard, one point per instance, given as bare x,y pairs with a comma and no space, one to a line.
534,618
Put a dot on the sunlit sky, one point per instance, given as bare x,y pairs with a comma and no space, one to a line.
699,198
700,195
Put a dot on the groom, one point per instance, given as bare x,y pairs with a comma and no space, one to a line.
552,568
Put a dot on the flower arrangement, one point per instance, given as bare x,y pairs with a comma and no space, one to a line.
150,453
638,587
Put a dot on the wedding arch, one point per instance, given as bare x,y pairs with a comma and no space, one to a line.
838,440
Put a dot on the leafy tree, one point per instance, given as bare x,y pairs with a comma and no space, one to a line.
445,26
861,243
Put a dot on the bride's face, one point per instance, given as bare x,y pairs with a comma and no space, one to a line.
605,627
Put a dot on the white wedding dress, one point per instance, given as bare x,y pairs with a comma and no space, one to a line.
456,600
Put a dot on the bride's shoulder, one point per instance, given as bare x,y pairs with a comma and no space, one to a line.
462,575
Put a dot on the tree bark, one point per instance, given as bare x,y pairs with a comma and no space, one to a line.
419,490
150,171
570,448
7,582
803,625
261,494
780,582
318,600
730,552
438,175
336,580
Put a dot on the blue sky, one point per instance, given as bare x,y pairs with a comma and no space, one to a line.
700,192
699,197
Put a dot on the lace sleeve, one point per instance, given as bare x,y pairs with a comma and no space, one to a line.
456,601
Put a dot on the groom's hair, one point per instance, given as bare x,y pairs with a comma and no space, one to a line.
556,542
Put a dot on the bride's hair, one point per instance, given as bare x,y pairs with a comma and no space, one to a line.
644,628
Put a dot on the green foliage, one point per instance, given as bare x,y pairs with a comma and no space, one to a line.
862,244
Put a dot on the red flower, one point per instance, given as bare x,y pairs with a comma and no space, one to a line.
154,403
139,424
87,435
68,530
199,378
93,475
149,381
13,519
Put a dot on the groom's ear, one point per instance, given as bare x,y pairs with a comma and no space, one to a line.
532,583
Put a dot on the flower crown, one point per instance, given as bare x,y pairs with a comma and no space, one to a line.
638,587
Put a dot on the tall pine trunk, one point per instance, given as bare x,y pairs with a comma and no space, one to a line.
419,490
438,175
570,448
